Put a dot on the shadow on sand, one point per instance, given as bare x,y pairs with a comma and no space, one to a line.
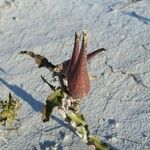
139,17
66,125
2,70
35,104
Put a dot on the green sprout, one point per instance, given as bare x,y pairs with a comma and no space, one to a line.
8,109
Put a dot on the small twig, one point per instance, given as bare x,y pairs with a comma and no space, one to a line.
50,85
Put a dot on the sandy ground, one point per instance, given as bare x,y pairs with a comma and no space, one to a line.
118,105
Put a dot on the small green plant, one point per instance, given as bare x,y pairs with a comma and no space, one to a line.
8,109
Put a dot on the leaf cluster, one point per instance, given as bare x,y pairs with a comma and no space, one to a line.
8,109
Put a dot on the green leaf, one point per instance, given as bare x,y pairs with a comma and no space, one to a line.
83,132
52,101
56,96
10,97
77,118
98,144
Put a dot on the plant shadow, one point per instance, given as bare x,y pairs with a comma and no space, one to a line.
2,70
35,104
62,123
139,17
47,144
53,144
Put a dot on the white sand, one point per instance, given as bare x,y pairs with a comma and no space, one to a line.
118,106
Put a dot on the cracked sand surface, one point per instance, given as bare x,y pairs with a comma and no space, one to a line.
118,106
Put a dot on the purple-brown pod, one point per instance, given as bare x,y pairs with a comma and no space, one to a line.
77,74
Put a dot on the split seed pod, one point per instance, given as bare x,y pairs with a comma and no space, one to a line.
77,74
